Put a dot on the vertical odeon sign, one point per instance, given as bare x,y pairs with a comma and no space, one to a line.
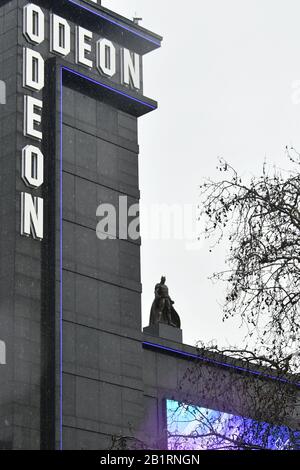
97,52
106,64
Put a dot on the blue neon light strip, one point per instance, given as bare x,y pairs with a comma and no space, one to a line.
218,363
61,264
116,23
110,88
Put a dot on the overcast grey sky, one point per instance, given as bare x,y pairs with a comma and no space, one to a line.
224,82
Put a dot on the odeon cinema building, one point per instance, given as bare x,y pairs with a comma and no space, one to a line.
76,369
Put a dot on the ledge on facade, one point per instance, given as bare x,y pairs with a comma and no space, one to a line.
186,352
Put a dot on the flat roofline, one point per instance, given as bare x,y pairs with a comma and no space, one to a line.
124,20
118,21
145,40
190,353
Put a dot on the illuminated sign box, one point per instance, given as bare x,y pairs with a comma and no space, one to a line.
191,427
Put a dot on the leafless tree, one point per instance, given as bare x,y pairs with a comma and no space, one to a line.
249,399
261,220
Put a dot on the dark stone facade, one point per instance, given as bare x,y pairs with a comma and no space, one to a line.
74,365
79,369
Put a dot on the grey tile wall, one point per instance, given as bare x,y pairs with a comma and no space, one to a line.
102,361
101,295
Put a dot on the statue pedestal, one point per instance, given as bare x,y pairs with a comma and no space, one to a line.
161,330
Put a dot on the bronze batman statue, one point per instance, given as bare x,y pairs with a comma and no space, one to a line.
162,310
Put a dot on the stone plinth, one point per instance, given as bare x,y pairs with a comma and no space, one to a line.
162,330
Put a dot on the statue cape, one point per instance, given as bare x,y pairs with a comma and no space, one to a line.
174,316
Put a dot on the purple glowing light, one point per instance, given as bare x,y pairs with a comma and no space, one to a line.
110,88
197,428
61,264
